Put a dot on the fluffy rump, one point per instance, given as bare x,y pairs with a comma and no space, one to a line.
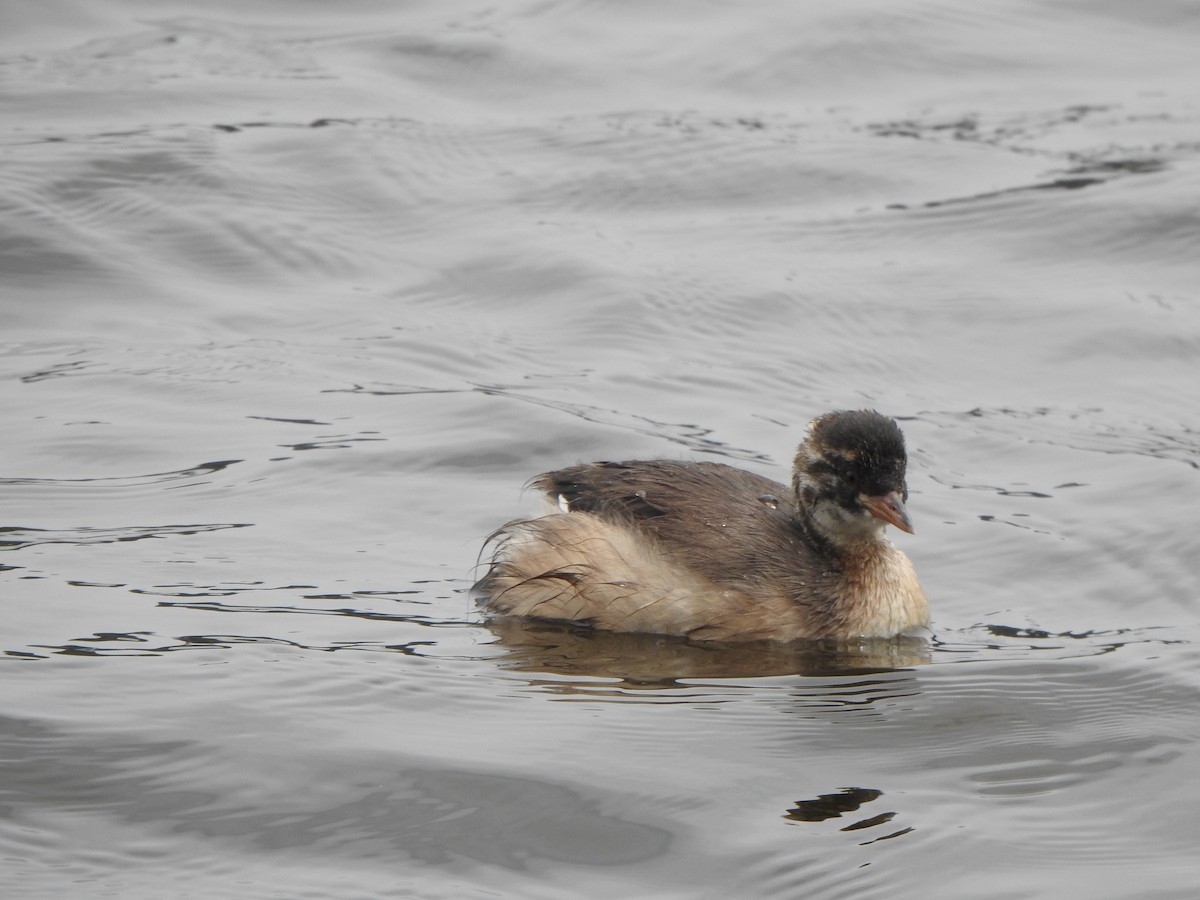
577,567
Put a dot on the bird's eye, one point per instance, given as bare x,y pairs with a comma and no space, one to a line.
846,466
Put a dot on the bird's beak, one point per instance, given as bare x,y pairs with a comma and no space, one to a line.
890,508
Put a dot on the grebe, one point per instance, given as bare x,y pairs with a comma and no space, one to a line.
716,553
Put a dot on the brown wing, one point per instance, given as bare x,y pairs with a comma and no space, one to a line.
725,523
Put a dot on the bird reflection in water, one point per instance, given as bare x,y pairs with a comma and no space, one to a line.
650,660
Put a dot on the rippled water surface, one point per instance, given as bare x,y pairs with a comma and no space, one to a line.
296,296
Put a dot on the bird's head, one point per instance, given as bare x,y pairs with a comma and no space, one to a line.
850,475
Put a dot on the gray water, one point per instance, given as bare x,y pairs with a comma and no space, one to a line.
296,296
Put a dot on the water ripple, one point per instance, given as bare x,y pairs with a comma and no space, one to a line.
191,472
17,538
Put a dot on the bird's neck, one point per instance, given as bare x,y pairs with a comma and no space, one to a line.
880,593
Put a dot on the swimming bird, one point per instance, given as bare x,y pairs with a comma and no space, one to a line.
715,553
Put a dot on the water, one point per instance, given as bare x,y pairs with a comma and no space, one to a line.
296,297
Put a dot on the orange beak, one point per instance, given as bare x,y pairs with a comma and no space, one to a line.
889,508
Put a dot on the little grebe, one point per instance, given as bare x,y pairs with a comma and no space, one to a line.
716,553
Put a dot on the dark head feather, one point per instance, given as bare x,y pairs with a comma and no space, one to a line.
846,456
862,446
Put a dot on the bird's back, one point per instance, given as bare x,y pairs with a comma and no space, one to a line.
725,523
